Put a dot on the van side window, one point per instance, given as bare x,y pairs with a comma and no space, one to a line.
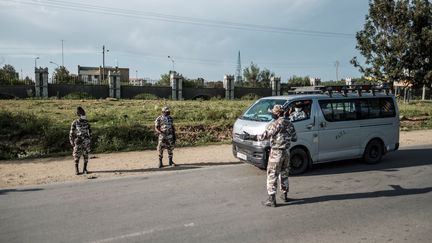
377,108
355,109
339,110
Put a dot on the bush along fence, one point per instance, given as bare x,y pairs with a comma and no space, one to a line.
32,135
115,89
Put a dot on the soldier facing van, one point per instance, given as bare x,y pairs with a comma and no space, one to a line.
164,126
80,139
281,133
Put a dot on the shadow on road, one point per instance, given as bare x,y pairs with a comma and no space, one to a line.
6,191
168,168
396,191
391,162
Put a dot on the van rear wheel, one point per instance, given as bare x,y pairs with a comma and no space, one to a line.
373,152
299,161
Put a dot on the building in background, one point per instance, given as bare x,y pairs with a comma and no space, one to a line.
94,75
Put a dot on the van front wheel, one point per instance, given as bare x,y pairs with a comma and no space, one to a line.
299,161
373,152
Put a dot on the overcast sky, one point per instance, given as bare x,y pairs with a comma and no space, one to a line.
289,37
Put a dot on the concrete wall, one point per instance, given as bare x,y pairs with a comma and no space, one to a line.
61,90
18,91
128,92
203,93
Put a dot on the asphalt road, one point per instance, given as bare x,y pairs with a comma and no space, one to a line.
338,202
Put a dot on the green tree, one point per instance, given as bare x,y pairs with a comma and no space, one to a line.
297,81
396,41
251,75
164,81
8,75
264,77
62,76
194,83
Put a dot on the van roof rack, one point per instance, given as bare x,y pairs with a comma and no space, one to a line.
344,89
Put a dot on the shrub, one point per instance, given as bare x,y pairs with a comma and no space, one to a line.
77,96
250,97
145,96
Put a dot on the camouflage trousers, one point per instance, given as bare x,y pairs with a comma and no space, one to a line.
165,142
82,147
278,169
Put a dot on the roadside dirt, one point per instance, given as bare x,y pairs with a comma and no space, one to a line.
49,170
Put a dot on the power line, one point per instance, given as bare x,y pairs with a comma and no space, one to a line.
90,8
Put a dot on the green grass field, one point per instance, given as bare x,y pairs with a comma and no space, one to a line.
30,128
41,127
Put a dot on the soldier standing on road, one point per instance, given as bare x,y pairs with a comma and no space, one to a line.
164,126
281,133
80,139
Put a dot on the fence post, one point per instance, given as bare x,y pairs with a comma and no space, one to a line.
424,92
114,84
41,82
176,82
275,85
228,85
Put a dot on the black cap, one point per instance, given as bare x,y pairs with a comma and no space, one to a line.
80,111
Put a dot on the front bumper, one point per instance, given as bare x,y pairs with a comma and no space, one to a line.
255,155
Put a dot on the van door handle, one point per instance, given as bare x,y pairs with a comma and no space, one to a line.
310,126
323,124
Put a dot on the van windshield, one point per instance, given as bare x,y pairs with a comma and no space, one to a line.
261,110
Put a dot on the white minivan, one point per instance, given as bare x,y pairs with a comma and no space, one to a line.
331,127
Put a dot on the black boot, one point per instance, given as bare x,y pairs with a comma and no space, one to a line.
284,197
76,169
171,162
85,172
160,163
271,201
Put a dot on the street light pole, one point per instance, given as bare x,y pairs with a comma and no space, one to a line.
36,62
52,76
337,70
172,60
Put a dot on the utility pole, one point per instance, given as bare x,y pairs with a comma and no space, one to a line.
103,62
337,70
62,54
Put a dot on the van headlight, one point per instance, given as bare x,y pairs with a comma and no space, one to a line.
264,143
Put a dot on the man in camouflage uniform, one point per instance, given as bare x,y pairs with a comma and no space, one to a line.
164,126
298,113
281,133
80,138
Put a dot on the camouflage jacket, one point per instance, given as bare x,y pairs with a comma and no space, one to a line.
80,129
165,125
297,115
281,133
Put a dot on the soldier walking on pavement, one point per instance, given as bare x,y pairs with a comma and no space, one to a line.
164,126
281,133
80,139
